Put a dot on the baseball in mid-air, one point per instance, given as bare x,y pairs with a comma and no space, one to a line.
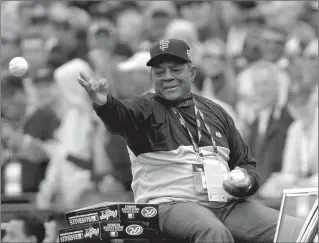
18,66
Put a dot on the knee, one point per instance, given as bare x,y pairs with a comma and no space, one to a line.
212,233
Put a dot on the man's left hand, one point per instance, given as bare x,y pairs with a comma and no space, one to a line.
237,183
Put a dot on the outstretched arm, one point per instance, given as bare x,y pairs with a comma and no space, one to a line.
122,117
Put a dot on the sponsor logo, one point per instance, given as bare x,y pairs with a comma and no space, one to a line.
83,220
90,232
218,134
134,229
65,238
149,212
108,213
164,44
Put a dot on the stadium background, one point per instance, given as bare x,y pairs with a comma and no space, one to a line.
231,42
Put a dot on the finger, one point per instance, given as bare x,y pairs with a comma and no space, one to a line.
85,77
83,83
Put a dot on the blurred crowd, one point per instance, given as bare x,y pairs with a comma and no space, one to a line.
257,59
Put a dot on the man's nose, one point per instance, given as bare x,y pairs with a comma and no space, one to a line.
168,75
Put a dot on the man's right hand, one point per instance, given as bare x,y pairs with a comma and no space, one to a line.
97,90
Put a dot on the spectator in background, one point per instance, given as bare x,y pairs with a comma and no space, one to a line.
205,16
38,21
45,88
10,47
214,78
129,28
61,30
311,15
136,75
272,44
29,144
24,229
101,42
300,160
73,135
157,16
243,38
32,43
301,152
77,153
185,30
297,41
283,15
219,82
268,130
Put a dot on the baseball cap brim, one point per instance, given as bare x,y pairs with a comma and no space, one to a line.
165,57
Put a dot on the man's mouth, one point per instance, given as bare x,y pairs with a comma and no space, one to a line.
171,88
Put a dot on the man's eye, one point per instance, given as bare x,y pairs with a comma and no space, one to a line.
176,70
159,72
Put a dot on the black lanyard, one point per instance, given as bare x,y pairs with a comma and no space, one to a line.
199,115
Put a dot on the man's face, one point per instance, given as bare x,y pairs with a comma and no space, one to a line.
30,46
158,24
15,232
101,41
172,81
129,26
272,46
265,87
213,63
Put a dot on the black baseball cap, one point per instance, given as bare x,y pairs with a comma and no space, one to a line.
170,48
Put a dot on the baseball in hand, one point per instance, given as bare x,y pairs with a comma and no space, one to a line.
237,176
18,66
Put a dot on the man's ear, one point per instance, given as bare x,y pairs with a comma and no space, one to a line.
193,72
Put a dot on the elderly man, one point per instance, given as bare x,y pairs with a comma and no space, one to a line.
190,157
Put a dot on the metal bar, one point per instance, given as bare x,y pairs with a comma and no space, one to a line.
308,221
301,194
301,190
279,218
